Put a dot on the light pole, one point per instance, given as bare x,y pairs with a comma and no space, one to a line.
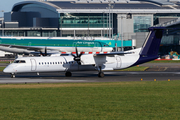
107,22
122,48
112,20
2,23
103,24
109,15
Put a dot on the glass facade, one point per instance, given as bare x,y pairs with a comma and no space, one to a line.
49,33
87,20
34,33
37,33
13,33
165,15
142,22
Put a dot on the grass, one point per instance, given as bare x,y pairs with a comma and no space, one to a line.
143,100
165,61
4,61
135,68
1,69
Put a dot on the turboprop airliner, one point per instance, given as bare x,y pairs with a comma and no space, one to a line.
89,62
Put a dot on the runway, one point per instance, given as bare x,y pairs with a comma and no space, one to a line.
91,76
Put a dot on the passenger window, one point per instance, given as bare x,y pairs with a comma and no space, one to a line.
55,62
39,63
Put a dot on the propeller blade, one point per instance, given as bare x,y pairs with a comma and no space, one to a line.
77,56
45,51
81,54
73,55
76,52
79,62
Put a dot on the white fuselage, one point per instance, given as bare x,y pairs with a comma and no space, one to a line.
67,63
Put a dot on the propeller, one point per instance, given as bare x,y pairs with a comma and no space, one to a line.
45,52
77,57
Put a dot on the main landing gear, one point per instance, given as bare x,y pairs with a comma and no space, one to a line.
100,74
68,74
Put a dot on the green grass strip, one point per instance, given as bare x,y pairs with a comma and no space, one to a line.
4,61
165,61
135,68
1,69
141,100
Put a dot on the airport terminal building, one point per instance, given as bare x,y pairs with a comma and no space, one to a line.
120,19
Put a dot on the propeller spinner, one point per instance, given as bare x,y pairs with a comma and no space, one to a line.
77,57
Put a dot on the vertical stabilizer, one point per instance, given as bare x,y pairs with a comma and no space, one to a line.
151,45
152,42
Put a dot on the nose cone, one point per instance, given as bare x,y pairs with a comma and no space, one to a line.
8,70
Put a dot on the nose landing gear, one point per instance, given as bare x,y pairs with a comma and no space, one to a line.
13,75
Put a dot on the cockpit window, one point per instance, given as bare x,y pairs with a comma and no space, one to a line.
19,61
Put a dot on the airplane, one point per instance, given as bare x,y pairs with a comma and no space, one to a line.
100,62
52,45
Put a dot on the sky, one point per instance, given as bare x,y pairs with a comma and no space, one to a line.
7,5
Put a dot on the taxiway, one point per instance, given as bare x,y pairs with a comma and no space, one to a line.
113,76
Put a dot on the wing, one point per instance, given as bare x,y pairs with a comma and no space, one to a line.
28,49
100,58
112,53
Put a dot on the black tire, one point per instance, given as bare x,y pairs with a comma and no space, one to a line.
68,74
101,74
13,76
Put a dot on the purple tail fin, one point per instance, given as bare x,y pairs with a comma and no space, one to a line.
151,45
152,42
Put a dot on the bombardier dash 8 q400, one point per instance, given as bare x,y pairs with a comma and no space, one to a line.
88,62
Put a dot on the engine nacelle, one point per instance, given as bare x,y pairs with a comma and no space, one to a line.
87,59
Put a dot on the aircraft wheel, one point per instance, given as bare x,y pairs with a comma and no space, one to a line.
13,76
68,74
101,74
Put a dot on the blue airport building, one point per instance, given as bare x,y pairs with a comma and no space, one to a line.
125,20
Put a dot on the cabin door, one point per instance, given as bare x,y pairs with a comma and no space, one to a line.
33,65
118,60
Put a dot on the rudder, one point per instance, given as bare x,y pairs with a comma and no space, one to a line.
152,42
